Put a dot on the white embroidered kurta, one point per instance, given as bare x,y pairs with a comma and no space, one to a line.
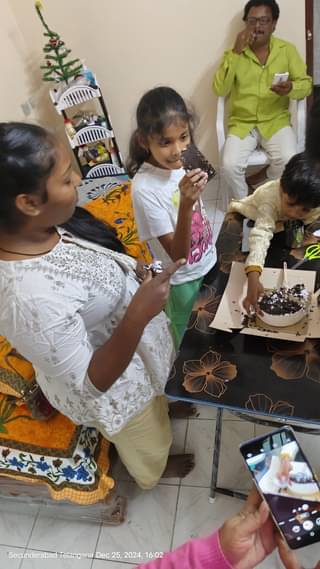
57,309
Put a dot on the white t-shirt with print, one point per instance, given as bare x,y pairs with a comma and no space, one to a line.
156,198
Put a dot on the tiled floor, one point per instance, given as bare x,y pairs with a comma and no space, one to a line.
158,520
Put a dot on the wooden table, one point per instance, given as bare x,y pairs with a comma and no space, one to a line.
266,381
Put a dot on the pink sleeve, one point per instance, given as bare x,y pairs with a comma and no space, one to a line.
203,553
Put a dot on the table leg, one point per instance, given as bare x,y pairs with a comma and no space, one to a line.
216,455
215,465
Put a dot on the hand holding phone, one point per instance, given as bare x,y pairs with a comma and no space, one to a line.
285,479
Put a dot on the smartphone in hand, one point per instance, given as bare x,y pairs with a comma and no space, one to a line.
280,78
286,481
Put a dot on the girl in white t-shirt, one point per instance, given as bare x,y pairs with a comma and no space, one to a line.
167,201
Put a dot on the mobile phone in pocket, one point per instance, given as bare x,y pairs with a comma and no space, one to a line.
285,479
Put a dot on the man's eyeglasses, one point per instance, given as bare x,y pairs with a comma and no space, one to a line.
263,21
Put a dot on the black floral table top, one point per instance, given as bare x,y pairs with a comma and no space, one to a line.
247,373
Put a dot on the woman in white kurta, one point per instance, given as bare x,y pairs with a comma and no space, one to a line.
99,343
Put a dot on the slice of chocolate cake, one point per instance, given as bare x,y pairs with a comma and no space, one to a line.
192,158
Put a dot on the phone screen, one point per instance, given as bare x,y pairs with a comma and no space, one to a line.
285,478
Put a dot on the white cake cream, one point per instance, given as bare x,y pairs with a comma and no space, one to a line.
284,306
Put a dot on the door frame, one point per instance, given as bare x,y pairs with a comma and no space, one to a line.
309,41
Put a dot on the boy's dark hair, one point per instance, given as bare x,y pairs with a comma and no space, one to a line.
272,4
300,180
157,109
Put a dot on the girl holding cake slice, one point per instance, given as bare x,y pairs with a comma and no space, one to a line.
169,211
296,196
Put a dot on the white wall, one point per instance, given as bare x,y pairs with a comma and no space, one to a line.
15,82
133,45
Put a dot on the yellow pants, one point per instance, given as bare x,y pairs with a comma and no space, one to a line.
144,443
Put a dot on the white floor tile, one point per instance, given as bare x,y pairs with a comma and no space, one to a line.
310,445
49,560
196,517
232,470
200,438
149,523
204,412
15,527
50,534
309,556
10,556
229,416
179,429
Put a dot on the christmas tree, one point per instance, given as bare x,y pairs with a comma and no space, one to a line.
56,67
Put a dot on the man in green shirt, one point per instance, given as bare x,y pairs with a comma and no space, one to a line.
259,107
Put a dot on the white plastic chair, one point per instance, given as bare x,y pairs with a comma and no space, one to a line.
101,170
259,156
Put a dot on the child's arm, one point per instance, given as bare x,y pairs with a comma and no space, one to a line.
254,290
259,241
177,243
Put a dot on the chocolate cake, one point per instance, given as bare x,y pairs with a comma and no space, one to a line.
192,158
284,300
302,483
301,478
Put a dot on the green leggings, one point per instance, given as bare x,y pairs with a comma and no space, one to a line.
179,307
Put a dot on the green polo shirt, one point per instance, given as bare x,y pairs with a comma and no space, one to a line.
248,82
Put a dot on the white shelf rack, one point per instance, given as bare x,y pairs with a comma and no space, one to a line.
74,95
101,170
88,134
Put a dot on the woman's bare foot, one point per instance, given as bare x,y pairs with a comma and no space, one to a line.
182,410
179,465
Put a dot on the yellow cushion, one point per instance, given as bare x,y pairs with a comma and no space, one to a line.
115,207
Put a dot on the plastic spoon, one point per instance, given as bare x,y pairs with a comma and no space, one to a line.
285,276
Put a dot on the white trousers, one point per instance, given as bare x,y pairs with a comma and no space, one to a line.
236,152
